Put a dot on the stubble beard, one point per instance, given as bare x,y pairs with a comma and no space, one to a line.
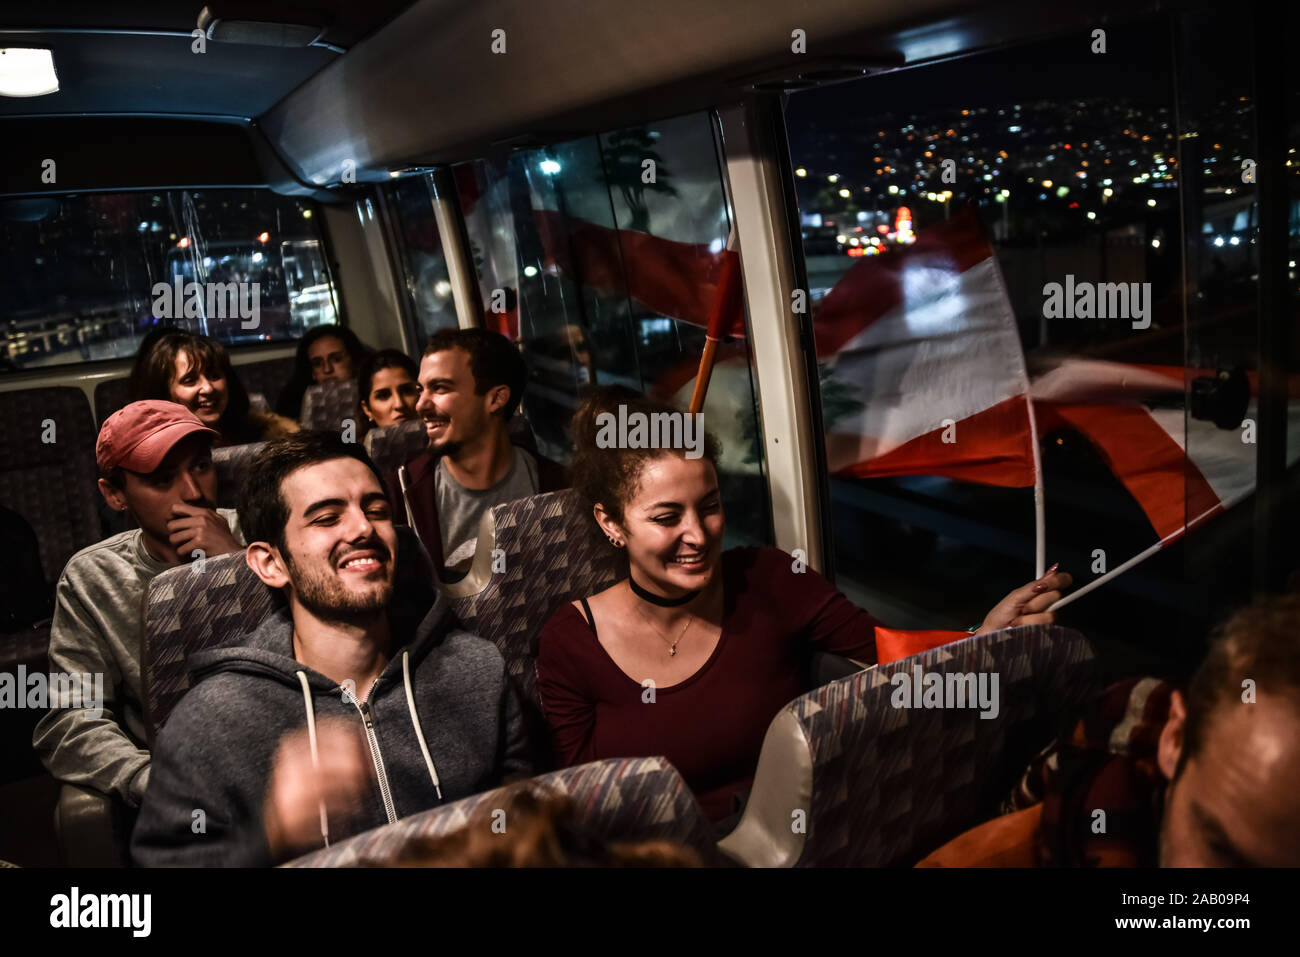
325,597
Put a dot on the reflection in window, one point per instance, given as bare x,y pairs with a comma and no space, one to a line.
604,258
427,282
83,276
1073,184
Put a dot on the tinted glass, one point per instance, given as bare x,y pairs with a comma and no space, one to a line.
84,277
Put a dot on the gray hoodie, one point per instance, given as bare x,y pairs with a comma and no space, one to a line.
454,730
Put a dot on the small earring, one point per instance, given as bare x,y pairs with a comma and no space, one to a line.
614,541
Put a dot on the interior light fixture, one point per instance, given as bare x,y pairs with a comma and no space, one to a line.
27,72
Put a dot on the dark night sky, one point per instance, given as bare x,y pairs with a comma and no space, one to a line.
1137,65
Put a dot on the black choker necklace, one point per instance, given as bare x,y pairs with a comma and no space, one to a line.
660,600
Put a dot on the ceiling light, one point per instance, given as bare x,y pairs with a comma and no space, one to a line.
25,72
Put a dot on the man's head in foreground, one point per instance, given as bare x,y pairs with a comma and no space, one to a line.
319,526
155,462
1231,749
471,383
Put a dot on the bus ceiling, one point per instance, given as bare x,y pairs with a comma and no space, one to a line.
439,85
307,100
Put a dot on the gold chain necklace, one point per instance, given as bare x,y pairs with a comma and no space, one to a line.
672,646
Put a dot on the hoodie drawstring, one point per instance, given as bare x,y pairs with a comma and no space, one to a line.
315,754
415,720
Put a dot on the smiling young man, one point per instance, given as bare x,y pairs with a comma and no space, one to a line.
472,381
156,463
357,702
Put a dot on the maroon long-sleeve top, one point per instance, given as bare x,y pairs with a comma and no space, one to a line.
711,725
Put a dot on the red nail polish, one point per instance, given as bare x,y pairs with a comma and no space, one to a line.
1040,588
1052,569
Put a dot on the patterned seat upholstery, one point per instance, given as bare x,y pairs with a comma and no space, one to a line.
111,395
327,405
51,485
390,446
551,552
883,786
267,377
231,463
620,799
187,610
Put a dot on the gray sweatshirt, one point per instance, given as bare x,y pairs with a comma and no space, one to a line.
455,731
98,629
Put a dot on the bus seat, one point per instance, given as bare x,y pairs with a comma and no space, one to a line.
93,829
231,462
47,470
187,610
883,786
265,378
620,799
390,446
326,405
29,647
257,403
110,395
532,555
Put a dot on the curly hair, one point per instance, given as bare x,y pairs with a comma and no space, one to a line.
608,476
541,829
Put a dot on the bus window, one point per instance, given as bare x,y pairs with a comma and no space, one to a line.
85,277
603,256
427,283
977,253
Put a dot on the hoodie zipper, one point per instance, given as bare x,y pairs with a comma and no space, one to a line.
375,755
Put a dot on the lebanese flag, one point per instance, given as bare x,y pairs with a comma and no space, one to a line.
481,208
678,280
1180,470
923,372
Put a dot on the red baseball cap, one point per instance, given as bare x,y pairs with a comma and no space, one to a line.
139,436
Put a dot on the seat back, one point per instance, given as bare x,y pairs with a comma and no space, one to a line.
883,785
390,446
327,405
190,608
533,555
187,609
619,799
266,378
231,462
111,395
47,470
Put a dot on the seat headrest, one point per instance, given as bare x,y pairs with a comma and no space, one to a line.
881,780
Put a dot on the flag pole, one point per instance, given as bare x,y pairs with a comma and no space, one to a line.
1040,508
715,333
1142,556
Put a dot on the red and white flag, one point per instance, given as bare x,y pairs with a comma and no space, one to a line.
923,371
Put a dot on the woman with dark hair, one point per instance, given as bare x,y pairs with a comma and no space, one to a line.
196,372
719,640
388,387
324,354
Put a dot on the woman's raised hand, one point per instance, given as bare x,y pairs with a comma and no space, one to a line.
1028,604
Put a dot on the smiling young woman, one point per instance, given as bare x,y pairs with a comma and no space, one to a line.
696,651
195,371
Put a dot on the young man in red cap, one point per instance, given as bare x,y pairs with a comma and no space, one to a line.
155,462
